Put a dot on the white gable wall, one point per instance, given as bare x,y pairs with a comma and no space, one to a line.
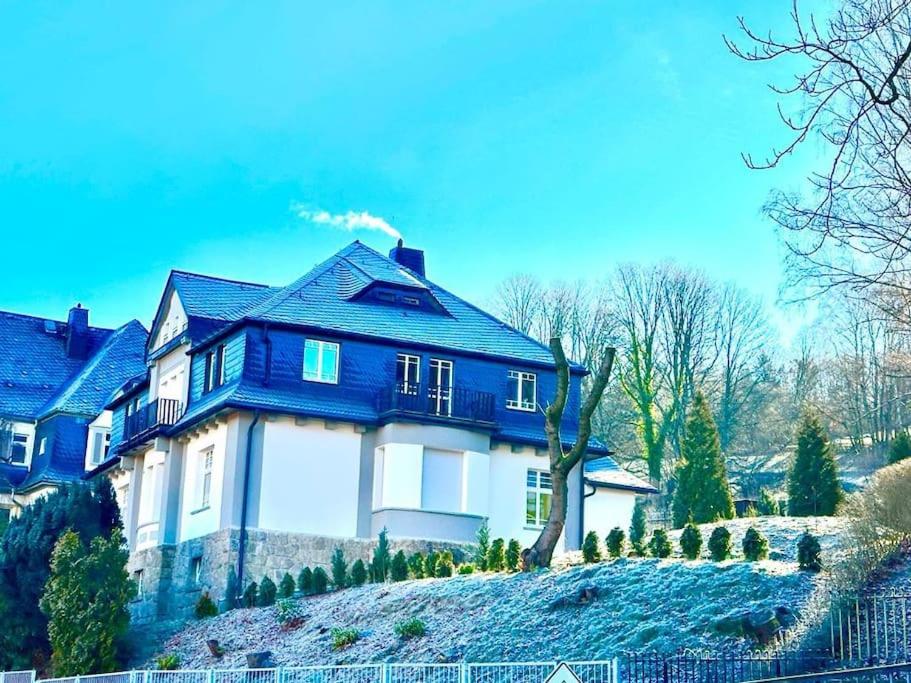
608,508
173,321
196,518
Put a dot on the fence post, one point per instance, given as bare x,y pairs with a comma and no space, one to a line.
615,670
463,672
278,674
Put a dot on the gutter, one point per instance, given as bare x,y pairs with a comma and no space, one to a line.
582,497
242,545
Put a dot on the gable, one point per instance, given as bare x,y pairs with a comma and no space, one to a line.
170,322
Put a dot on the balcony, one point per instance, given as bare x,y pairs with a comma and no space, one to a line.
436,404
146,422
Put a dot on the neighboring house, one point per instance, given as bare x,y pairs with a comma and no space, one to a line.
360,397
55,379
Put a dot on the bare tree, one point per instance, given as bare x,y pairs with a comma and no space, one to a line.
518,302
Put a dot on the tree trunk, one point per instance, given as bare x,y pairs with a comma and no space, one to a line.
541,553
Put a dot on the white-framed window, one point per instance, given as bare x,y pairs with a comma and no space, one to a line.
137,579
204,496
215,368
321,361
538,492
196,570
407,373
99,444
521,390
440,390
42,445
18,450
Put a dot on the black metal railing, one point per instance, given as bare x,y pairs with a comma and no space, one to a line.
717,667
447,403
148,418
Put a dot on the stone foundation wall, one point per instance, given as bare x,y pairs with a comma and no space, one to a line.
174,577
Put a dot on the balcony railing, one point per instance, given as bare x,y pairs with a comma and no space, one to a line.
436,402
149,418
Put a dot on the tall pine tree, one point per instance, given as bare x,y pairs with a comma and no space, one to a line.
813,486
702,493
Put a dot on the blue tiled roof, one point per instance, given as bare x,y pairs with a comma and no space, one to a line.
606,472
34,365
11,476
215,298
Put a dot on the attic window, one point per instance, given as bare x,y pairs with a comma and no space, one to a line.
411,300
386,296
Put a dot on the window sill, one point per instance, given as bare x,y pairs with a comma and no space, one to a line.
198,510
320,381
529,527
521,409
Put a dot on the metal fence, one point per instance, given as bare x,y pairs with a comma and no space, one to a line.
872,629
17,677
887,673
714,667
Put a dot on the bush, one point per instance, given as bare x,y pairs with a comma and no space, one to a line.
513,555
691,541
305,581
750,511
250,592
496,558
720,544
767,503
379,567
320,581
809,554
288,613
466,569
287,587
616,542
430,564
205,606
483,538
232,590
900,448
638,529
444,565
339,569
168,662
660,545
267,593
416,566
410,628
343,637
590,550
358,573
398,569
813,484
755,545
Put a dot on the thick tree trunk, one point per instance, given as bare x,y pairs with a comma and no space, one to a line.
542,552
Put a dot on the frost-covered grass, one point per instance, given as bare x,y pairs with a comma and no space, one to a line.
639,604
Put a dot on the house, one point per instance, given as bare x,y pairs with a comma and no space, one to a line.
55,379
358,398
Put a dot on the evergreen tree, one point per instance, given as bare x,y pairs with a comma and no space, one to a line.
267,593
900,448
591,551
444,565
305,581
339,569
358,573
496,557
691,541
381,558
638,529
483,538
232,590
767,503
416,565
809,553
249,597
513,555
702,493
813,486
398,569
286,587
86,601
720,544
755,545
320,581
616,542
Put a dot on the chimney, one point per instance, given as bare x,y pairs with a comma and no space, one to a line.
77,332
413,259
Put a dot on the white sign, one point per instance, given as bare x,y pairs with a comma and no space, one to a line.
562,674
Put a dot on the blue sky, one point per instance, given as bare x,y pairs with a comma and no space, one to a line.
554,138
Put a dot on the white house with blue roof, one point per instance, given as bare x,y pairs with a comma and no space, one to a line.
276,423
55,379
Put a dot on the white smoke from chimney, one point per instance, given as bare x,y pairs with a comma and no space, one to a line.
350,220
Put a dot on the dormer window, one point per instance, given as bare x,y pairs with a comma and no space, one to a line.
521,390
18,449
321,361
215,368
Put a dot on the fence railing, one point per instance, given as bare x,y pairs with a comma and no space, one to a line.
714,667
871,629
885,673
17,677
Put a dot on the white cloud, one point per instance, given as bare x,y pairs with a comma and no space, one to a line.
350,220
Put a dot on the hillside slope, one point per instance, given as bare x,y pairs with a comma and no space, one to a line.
633,604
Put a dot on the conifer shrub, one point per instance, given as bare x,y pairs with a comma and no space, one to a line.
691,541
483,549
344,637
496,558
466,569
638,529
720,544
813,484
250,593
379,567
339,569
755,545
616,542
660,545
410,628
358,573
416,566
900,448
809,553
750,511
168,662
305,581
320,581
767,503
513,555
287,587
232,590
398,569
430,564
445,565
205,606
591,552
267,593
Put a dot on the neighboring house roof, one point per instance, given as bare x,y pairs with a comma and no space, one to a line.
34,365
604,472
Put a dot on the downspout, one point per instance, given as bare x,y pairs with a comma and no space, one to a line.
582,496
242,545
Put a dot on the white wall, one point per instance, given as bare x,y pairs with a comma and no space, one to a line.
100,426
398,476
508,472
27,428
196,519
169,376
150,492
608,508
441,480
309,479
173,321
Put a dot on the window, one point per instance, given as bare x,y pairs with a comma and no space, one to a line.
215,369
196,570
18,449
521,390
321,361
101,442
205,478
440,393
42,445
137,579
539,490
407,373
